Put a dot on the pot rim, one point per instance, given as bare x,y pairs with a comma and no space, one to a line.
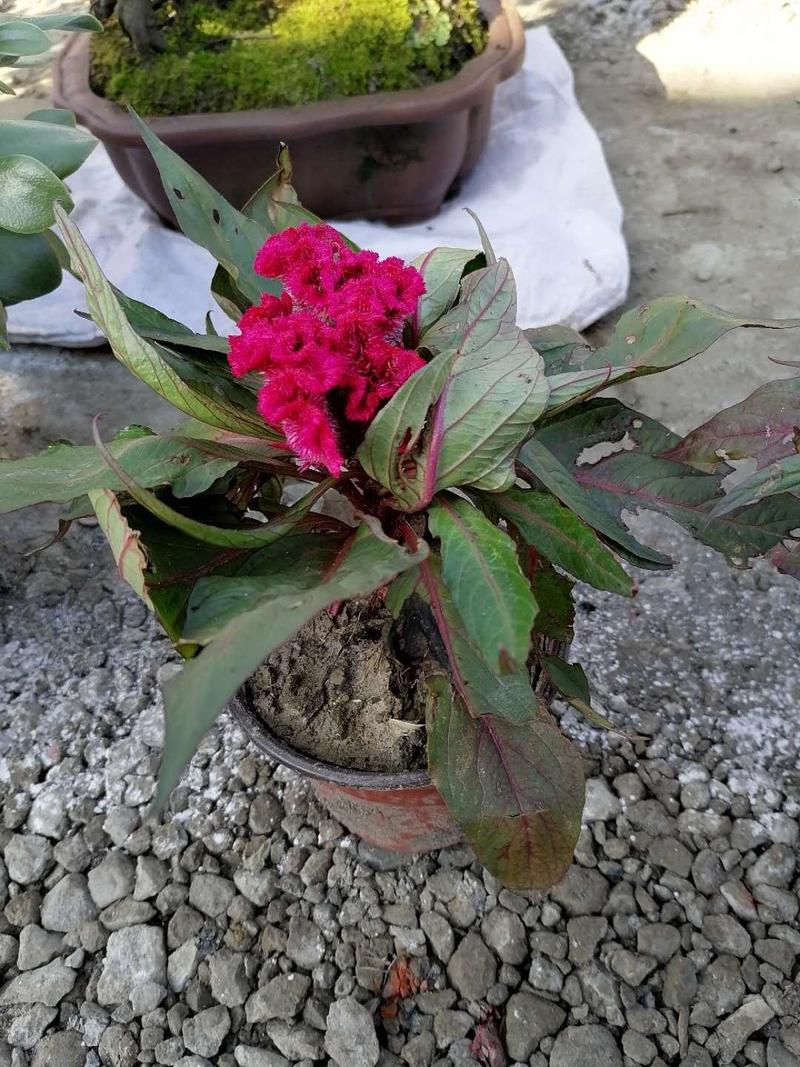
257,730
501,58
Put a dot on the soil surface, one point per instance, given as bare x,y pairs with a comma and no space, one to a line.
336,693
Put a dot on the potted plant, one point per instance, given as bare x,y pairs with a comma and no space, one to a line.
366,530
394,96
36,154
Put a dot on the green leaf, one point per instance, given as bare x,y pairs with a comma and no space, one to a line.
783,476
486,244
29,267
597,511
553,594
509,777
560,347
636,476
764,426
20,38
222,536
208,219
29,191
227,445
59,116
195,698
441,270
123,539
202,400
481,570
61,148
562,538
571,682
74,22
201,478
64,471
483,390
3,329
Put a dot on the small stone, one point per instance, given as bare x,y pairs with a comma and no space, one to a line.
259,887
151,877
721,985
734,1031
229,984
45,985
680,983
779,1056
128,912
211,894
37,947
727,935
775,867
250,1056
504,932
28,858
585,933
204,1033
67,905
133,956
600,805
265,814
583,891
295,1041
450,1026
747,834
631,967
590,1045
305,945
658,940
420,1050
48,815
528,1019
28,1027
281,998
182,965
779,954
472,968
704,259
350,1038
440,934
60,1050
740,900
669,853
708,874
638,1048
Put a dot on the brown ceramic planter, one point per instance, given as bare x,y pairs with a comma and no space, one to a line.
400,812
393,155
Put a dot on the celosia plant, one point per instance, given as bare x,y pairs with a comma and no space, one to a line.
464,447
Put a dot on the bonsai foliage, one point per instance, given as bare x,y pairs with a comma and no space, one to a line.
465,448
183,56
36,154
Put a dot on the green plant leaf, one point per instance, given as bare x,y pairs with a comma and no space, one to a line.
75,22
764,426
462,419
562,538
21,38
200,399
481,570
29,191
571,682
208,219
783,476
154,325
202,477
510,778
29,267
635,476
3,329
596,511
227,445
222,536
59,116
561,348
123,539
441,270
61,148
553,594
194,698
6,90
64,471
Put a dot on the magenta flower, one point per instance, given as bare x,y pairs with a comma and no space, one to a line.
335,331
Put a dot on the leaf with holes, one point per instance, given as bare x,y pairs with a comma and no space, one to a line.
198,694
481,570
461,420
783,476
765,427
509,777
562,538
208,219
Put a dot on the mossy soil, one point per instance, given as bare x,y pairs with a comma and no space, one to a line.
232,55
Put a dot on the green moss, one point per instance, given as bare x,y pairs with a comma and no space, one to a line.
231,55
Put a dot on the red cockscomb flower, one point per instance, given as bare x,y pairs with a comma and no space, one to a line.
336,326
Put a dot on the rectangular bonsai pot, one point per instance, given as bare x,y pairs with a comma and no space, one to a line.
388,155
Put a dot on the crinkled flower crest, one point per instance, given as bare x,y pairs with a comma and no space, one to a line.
337,325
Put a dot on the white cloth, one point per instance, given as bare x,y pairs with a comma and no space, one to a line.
542,190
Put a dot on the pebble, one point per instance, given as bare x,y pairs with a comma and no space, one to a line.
582,891
504,932
28,858
133,956
45,985
68,904
281,998
37,947
590,1045
111,880
472,968
350,1038
530,1018
204,1033
734,1031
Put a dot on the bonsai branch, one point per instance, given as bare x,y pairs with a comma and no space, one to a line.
137,18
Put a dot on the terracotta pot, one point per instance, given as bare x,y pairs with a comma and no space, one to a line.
400,812
392,155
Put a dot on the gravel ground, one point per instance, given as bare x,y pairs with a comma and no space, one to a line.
250,929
